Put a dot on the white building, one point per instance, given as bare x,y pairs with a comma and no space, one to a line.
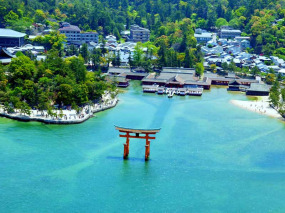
89,37
245,44
74,36
139,34
202,36
28,47
277,61
282,72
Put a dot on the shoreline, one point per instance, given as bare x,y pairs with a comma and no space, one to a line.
70,116
261,107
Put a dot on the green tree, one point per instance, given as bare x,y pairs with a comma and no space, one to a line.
213,68
274,95
84,52
225,66
40,16
78,68
138,54
255,70
11,17
20,69
53,40
199,68
30,92
270,78
80,93
65,94
8,108
23,107
221,22
44,100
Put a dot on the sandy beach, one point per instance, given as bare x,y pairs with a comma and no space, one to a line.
261,106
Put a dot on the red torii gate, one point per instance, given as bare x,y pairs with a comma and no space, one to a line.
137,133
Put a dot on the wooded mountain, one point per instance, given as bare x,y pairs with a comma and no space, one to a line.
253,17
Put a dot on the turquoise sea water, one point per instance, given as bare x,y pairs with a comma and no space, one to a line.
210,156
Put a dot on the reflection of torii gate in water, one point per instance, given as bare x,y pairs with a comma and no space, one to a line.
137,133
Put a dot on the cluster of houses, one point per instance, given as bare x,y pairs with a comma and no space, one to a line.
231,47
13,41
75,36
225,32
185,80
124,50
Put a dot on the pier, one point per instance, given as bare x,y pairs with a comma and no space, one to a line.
191,91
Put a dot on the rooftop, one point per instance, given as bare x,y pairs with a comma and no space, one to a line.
178,70
203,35
231,31
119,79
114,70
70,28
259,87
138,28
10,33
88,33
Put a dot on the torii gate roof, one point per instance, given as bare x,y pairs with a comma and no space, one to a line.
123,129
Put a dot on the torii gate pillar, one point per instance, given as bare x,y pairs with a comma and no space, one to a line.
137,133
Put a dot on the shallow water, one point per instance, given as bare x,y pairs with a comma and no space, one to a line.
210,156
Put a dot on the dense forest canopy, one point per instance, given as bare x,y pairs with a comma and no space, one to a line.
26,83
253,17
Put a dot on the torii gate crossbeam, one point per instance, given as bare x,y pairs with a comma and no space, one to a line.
146,134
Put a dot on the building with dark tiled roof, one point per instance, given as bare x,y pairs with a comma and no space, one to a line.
177,78
229,33
257,89
75,36
120,81
236,85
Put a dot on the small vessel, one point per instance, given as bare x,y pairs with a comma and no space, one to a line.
160,90
150,89
170,94
182,91
195,91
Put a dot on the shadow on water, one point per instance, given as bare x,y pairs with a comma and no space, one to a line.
163,109
130,159
272,160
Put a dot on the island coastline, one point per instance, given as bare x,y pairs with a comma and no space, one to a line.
261,106
70,116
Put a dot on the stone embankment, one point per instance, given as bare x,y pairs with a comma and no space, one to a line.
67,116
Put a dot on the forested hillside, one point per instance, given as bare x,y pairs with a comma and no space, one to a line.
253,17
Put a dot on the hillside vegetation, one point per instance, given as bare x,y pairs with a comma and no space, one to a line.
162,17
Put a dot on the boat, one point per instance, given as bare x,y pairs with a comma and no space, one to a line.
160,90
182,91
194,91
170,94
150,89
